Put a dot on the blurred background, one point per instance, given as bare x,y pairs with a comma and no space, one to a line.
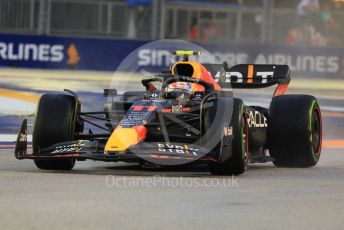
84,34
49,45
98,34
294,22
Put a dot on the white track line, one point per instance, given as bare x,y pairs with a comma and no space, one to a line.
12,138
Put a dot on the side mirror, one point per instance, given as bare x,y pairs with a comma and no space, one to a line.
110,92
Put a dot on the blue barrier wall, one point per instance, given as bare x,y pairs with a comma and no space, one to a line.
106,54
63,52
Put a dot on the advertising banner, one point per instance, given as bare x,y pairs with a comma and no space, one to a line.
52,52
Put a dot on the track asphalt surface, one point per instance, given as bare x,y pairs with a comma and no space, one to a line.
97,195
100,195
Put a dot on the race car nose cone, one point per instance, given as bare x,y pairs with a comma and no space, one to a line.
122,138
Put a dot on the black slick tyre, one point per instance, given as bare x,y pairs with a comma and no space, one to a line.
54,122
237,163
295,131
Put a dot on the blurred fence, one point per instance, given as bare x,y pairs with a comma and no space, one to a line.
20,15
217,23
82,17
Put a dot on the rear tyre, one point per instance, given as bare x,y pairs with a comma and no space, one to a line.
237,163
295,131
54,122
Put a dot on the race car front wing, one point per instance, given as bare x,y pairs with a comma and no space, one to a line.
94,150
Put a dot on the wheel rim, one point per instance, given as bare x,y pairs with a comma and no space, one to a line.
316,131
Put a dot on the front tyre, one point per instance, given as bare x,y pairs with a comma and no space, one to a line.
54,122
295,131
237,163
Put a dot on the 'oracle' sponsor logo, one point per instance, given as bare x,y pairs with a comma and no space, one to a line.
256,120
237,77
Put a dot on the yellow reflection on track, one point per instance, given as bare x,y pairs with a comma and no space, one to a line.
24,96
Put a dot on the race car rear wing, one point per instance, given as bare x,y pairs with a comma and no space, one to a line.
251,76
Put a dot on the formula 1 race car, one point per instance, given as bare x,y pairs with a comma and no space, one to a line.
192,117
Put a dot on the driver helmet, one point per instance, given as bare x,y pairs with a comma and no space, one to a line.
185,86
180,86
183,90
